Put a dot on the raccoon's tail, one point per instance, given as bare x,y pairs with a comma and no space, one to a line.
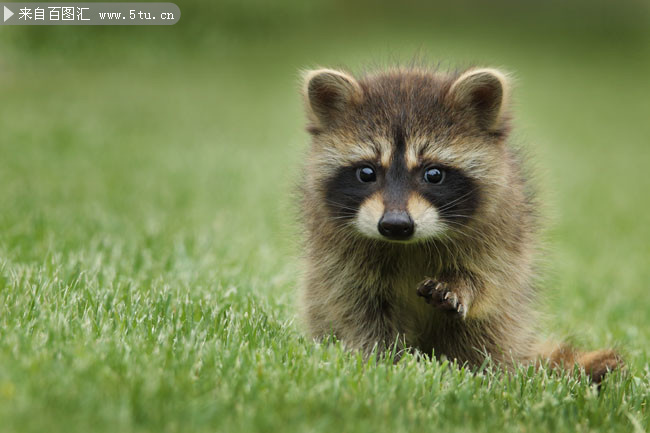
596,363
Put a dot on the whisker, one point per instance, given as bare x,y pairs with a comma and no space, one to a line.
455,201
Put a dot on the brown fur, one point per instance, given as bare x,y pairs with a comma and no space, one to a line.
365,290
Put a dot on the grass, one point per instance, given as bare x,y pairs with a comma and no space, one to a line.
149,250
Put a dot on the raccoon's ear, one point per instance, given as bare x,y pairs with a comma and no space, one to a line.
328,93
483,93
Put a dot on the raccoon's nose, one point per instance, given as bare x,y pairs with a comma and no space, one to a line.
396,225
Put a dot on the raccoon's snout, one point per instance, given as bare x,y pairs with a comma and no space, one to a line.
396,225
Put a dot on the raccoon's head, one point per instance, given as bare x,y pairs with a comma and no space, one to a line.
406,155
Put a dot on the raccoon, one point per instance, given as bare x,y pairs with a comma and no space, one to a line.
420,223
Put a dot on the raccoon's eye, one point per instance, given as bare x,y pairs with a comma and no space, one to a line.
434,175
366,174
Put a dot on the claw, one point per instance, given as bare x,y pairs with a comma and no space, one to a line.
452,298
462,310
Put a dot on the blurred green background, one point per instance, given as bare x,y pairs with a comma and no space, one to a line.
148,237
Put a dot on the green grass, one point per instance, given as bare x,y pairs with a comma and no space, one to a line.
149,247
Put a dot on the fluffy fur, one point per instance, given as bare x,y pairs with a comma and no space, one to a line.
462,284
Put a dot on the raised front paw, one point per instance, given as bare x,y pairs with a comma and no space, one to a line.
439,295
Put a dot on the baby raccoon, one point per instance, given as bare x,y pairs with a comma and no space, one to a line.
420,228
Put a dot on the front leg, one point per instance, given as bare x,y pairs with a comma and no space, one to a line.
453,295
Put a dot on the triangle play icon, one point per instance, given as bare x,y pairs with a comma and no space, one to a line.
8,14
